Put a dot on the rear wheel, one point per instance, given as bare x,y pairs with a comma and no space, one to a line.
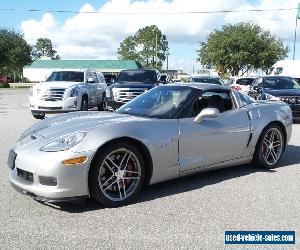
269,147
39,116
117,175
84,104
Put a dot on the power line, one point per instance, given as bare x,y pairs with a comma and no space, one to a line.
146,13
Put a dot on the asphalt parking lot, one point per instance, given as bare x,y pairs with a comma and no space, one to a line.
187,213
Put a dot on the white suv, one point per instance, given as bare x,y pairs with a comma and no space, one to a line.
68,90
241,83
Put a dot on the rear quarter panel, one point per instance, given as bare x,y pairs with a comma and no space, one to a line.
263,113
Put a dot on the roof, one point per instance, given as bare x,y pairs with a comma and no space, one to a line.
88,64
205,77
202,86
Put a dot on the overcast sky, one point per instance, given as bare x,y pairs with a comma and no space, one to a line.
97,36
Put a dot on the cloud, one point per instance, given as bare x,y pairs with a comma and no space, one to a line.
97,36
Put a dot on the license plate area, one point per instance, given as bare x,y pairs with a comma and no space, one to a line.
11,159
26,176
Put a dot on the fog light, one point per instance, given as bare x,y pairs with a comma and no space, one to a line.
48,181
74,161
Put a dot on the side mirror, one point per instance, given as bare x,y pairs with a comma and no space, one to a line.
207,113
90,80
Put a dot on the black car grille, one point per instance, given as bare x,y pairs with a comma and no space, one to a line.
290,99
26,176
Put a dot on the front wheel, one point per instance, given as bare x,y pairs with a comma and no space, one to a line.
269,147
84,104
117,175
39,116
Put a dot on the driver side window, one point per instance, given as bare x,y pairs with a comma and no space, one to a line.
210,99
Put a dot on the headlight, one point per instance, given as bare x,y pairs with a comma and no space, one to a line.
108,92
271,97
64,142
31,91
74,92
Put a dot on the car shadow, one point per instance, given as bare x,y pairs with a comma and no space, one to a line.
186,184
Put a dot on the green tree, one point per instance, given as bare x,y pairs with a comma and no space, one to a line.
235,49
15,52
44,48
127,49
148,46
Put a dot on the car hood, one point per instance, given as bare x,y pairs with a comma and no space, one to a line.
282,92
133,85
58,84
63,124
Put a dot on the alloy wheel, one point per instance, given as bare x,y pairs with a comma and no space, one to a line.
119,174
272,145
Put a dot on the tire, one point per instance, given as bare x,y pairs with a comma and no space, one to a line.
109,175
269,147
39,116
84,104
102,105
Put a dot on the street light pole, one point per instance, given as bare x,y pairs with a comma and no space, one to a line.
168,60
295,37
156,50
295,34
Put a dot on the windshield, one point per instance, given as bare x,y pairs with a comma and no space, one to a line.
245,81
207,80
137,76
66,76
164,102
280,83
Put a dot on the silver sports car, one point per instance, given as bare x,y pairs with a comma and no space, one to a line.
168,132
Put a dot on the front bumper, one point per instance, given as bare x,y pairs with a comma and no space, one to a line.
48,107
72,181
46,199
113,105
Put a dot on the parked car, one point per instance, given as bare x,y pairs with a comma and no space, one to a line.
168,132
67,90
207,79
164,78
241,83
5,79
110,78
277,88
130,84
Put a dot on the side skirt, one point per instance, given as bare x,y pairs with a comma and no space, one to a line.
224,164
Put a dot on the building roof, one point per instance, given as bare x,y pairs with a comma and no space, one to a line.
90,64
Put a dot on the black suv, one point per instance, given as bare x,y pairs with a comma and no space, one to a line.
275,88
130,84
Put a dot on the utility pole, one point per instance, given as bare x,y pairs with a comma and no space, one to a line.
295,33
156,50
167,59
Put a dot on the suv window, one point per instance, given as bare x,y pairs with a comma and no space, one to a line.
280,83
220,100
66,76
245,81
94,76
149,76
